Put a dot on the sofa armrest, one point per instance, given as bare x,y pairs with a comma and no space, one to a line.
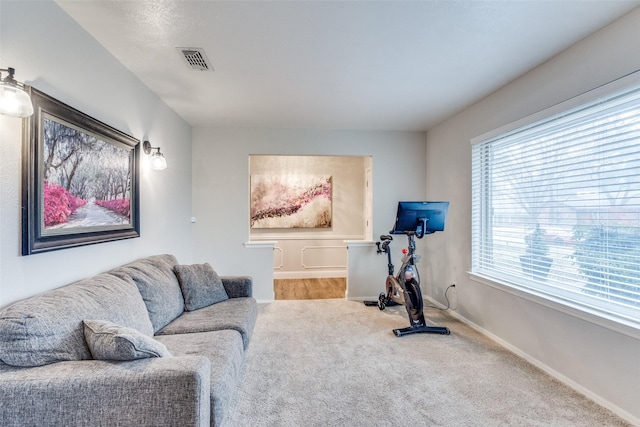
172,391
238,286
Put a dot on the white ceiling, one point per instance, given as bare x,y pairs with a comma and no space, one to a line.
378,65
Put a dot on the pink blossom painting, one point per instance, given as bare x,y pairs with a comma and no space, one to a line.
291,201
86,180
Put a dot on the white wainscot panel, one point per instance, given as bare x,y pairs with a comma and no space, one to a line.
324,257
278,258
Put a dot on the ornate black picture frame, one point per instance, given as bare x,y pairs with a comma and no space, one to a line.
80,179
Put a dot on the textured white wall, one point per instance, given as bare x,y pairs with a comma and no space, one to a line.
221,190
599,361
54,54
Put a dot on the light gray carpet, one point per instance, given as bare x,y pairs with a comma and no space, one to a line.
337,363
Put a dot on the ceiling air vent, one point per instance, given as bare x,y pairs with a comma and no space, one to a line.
196,58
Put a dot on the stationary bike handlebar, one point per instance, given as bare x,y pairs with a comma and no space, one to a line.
421,228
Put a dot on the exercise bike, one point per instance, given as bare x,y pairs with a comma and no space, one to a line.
403,288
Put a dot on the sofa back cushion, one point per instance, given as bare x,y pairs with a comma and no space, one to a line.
48,328
158,286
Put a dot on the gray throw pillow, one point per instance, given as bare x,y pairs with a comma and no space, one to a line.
201,286
108,341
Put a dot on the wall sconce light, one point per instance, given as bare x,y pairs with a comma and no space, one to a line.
158,162
14,100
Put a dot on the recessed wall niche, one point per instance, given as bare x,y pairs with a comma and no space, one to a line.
317,251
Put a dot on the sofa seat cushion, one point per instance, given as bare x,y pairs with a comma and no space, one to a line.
108,341
201,286
48,328
235,313
225,351
158,286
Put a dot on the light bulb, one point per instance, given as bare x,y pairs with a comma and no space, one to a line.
14,101
158,162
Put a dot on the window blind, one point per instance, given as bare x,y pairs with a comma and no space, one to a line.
556,206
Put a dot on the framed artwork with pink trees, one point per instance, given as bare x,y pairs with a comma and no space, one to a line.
80,181
291,201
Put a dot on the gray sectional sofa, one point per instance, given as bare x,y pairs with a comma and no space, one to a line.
150,343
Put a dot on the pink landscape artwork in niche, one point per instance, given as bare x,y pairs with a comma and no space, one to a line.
291,201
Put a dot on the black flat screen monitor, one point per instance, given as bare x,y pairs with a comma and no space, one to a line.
410,214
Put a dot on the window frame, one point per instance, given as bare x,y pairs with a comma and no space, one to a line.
512,286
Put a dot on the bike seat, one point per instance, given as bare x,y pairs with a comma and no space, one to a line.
386,237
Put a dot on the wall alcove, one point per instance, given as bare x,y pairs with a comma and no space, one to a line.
308,252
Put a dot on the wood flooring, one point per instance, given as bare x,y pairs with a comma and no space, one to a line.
296,289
